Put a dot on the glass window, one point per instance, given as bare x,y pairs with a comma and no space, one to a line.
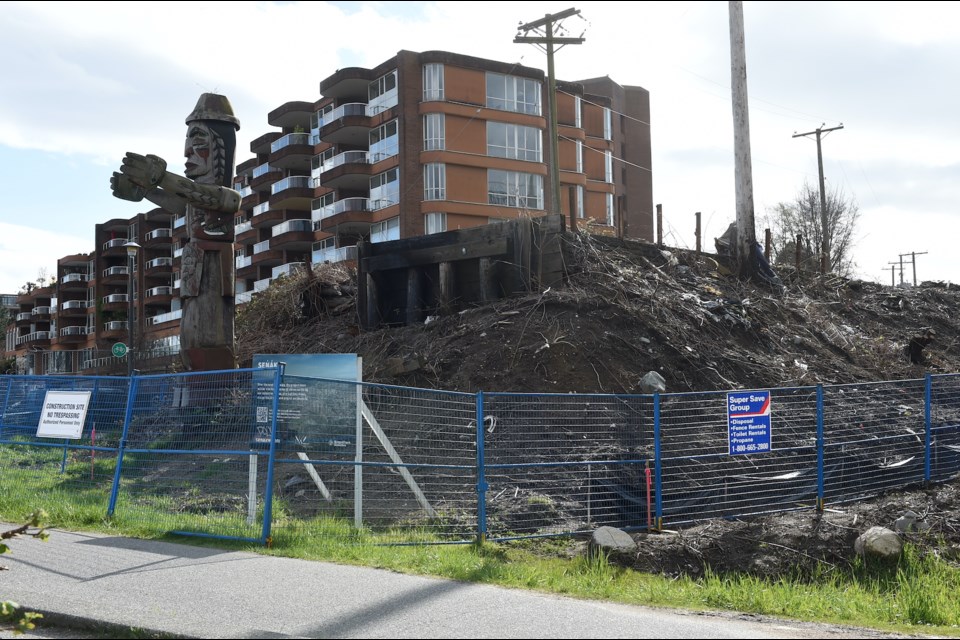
385,189
514,189
384,231
434,223
510,93
579,156
607,124
608,166
514,141
384,142
610,211
579,200
434,132
432,82
434,181
382,93
578,112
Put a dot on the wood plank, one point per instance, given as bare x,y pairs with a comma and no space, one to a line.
446,287
414,297
373,303
488,289
415,257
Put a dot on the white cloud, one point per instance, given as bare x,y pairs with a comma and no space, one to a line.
27,253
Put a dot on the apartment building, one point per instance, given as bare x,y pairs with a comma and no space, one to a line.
420,144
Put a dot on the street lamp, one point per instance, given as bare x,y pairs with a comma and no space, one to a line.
132,248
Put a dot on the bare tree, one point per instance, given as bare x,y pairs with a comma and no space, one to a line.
801,217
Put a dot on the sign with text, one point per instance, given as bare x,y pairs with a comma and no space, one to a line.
748,422
63,414
311,410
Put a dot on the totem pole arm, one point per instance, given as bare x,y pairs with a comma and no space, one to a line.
147,176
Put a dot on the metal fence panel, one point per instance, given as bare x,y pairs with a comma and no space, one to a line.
56,474
417,451
701,479
873,438
944,427
566,462
192,461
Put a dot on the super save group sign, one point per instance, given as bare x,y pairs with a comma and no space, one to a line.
748,422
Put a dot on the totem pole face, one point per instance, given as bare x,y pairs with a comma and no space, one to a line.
200,151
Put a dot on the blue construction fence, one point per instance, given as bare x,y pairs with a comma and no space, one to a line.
259,456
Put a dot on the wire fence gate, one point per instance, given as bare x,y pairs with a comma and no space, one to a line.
259,456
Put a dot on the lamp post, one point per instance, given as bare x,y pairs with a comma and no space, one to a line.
132,248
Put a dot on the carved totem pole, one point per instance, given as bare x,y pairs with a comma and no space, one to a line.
204,196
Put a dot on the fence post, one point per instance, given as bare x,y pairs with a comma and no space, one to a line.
928,429
658,523
481,475
820,487
271,457
127,418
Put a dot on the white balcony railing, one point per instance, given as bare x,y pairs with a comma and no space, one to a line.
287,269
73,331
349,109
291,225
243,297
179,222
114,298
31,337
263,170
159,262
74,304
334,254
261,208
291,182
289,139
41,311
74,277
165,317
115,271
159,291
24,315
243,261
115,325
116,242
261,285
260,247
159,233
177,252
347,157
341,206
243,227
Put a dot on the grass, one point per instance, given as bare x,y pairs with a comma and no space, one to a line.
918,593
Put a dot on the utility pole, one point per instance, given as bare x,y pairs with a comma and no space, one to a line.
547,23
913,260
746,231
825,237
893,281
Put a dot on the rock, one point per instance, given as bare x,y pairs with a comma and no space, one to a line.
399,366
612,542
293,481
653,382
879,542
908,522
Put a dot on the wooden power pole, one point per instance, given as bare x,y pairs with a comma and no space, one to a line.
824,219
746,231
549,39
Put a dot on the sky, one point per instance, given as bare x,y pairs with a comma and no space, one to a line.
84,82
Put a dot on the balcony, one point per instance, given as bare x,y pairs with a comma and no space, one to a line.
116,298
158,295
288,235
348,124
158,266
293,192
348,170
73,332
36,336
179,222
261,285
114,272
243,227
287,269
243,297
158,237
74,279
40,311
242,261
259,146
292,151
334,254
264,217
291,114
350,215
165,317
115,246
25,316
177,253
265,175
74,305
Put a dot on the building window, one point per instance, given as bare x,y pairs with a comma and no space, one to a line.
579,156
514,141
514,189
608,166
610,209
434,181
434,223
383,142
607,124
510,93
385,189
579,200
382,93
432,82
578,112
434,132
384,231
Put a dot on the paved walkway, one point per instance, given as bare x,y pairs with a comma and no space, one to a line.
203,592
